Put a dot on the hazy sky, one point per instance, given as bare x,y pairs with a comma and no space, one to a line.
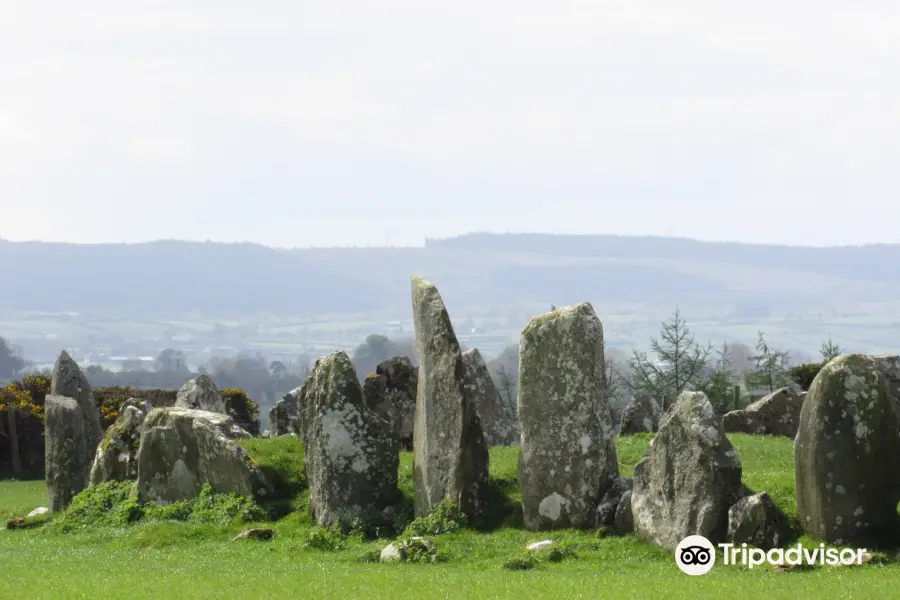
344,122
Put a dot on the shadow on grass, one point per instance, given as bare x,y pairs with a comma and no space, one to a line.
504,508
9,477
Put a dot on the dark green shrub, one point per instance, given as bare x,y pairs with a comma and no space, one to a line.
242,409
444,518
415,549
111,504
525,562
804,374
326,539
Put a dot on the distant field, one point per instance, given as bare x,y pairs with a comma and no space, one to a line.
180,560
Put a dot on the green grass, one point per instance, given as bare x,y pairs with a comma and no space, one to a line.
178,559
18,498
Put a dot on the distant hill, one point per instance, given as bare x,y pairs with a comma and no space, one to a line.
217,279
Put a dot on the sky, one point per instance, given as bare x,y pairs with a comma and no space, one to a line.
383,122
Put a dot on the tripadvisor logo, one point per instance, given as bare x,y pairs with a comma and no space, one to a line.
696,555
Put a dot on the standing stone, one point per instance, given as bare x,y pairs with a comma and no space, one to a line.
351,453
890,366
283,416
182,449
640,416
777,413
689,477
498,420
450,454
567,460
66,468
69,381
201,394
116,458
846,454
391,392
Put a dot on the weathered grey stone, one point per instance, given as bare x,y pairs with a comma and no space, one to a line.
568,454
451,456
757,520
609,505
498,420
624,523
391,392
640,416
141,404
283,416
777,413
201,394
846,454
181,450
689,477
66,467
890,366
257,533
69,381
116,458
352,455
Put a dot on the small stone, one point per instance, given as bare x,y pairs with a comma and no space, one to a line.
257,533
758,521
539,545
41,510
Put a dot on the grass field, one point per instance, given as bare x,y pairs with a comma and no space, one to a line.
188,560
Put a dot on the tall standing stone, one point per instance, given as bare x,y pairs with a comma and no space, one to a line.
567,461
689,477
68,380
66,469
847,454
201,394
451,457
498,420
351,453
890,366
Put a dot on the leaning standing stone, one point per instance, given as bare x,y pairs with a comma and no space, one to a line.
68,380
689,477
66,468
498,420
846,454
451,457
351,453
568,455
201,394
